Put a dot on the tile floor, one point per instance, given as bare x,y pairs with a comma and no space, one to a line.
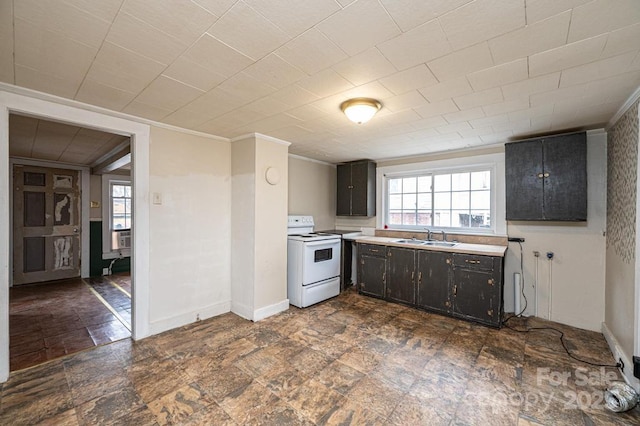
50,320
349,360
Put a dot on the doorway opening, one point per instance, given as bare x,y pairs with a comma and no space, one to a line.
71,242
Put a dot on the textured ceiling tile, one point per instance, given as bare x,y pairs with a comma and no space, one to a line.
365,67
98,94
601,16
140,37
414,47
325,83
499,75
294,16
567,56
247,31
531,86
539,111
275,71
453,128
193,74
480,20
535,38
413,78
217,56
63,19
405,116
622,40
266,106
47,83
182,19
485,97
462,62
123,69
361,25
245,88
537,10
217,7
294,96
311,52
103,9
505,107
436,108
152,112
448,89
411,13
597,70
466,115
412,99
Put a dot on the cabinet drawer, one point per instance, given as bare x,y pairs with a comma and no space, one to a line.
473,261
372,250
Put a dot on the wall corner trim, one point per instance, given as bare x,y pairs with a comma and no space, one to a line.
625,106
617,352
242,310
267,311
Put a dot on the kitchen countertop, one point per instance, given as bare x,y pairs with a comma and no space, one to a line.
481,249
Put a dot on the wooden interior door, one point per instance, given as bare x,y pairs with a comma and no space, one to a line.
46,224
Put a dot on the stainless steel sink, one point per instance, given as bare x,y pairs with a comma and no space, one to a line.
440,243
426,243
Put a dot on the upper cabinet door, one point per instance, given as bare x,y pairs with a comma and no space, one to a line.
546,178
524,186
565,177
343,201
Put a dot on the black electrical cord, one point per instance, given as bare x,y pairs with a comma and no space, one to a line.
529,329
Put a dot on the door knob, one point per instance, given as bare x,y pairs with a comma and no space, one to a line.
75,230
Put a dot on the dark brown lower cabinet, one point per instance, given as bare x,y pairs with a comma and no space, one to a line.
434,274
465,286
372,269
401,279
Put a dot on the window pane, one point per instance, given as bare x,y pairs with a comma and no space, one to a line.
481,180
127,191
424,218
442,200
409,201
442,218
395,201
395,217
424,201
480,219
460,182
442,183
118,206
424,184
119,222
481,200
409,219
409,185
460,218
395,186
117,191
460,200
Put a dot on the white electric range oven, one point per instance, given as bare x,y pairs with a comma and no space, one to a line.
313,263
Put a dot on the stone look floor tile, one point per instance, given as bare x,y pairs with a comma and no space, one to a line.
349,360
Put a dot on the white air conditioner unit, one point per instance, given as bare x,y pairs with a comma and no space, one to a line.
121,239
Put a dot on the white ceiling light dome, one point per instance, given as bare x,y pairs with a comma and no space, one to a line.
360,110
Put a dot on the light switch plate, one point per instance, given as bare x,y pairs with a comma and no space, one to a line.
95,204
157,198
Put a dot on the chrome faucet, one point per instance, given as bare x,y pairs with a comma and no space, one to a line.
444,234
428,234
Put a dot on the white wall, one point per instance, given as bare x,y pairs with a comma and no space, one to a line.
190,237
312,191
578,266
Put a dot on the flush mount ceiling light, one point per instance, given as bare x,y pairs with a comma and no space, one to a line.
360,110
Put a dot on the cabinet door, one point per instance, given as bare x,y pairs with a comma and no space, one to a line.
372,275
475,296
565,182
401,282
343,201
434,269
359,182
524,186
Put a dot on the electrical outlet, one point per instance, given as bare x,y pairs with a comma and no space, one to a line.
197,317
621,364
105,271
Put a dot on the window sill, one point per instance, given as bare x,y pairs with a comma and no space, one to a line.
117,254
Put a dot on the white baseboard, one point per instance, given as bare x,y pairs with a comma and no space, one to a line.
618,353
189,317
267,311
242,310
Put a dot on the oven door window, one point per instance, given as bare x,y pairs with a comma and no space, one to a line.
322,255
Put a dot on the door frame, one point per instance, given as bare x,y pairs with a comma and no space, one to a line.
28,102
85,176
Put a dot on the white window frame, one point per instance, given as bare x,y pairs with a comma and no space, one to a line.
492,162
107,251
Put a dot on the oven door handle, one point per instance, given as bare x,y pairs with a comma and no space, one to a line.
322,243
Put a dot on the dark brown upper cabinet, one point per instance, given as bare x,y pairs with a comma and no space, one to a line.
546,178
356,189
